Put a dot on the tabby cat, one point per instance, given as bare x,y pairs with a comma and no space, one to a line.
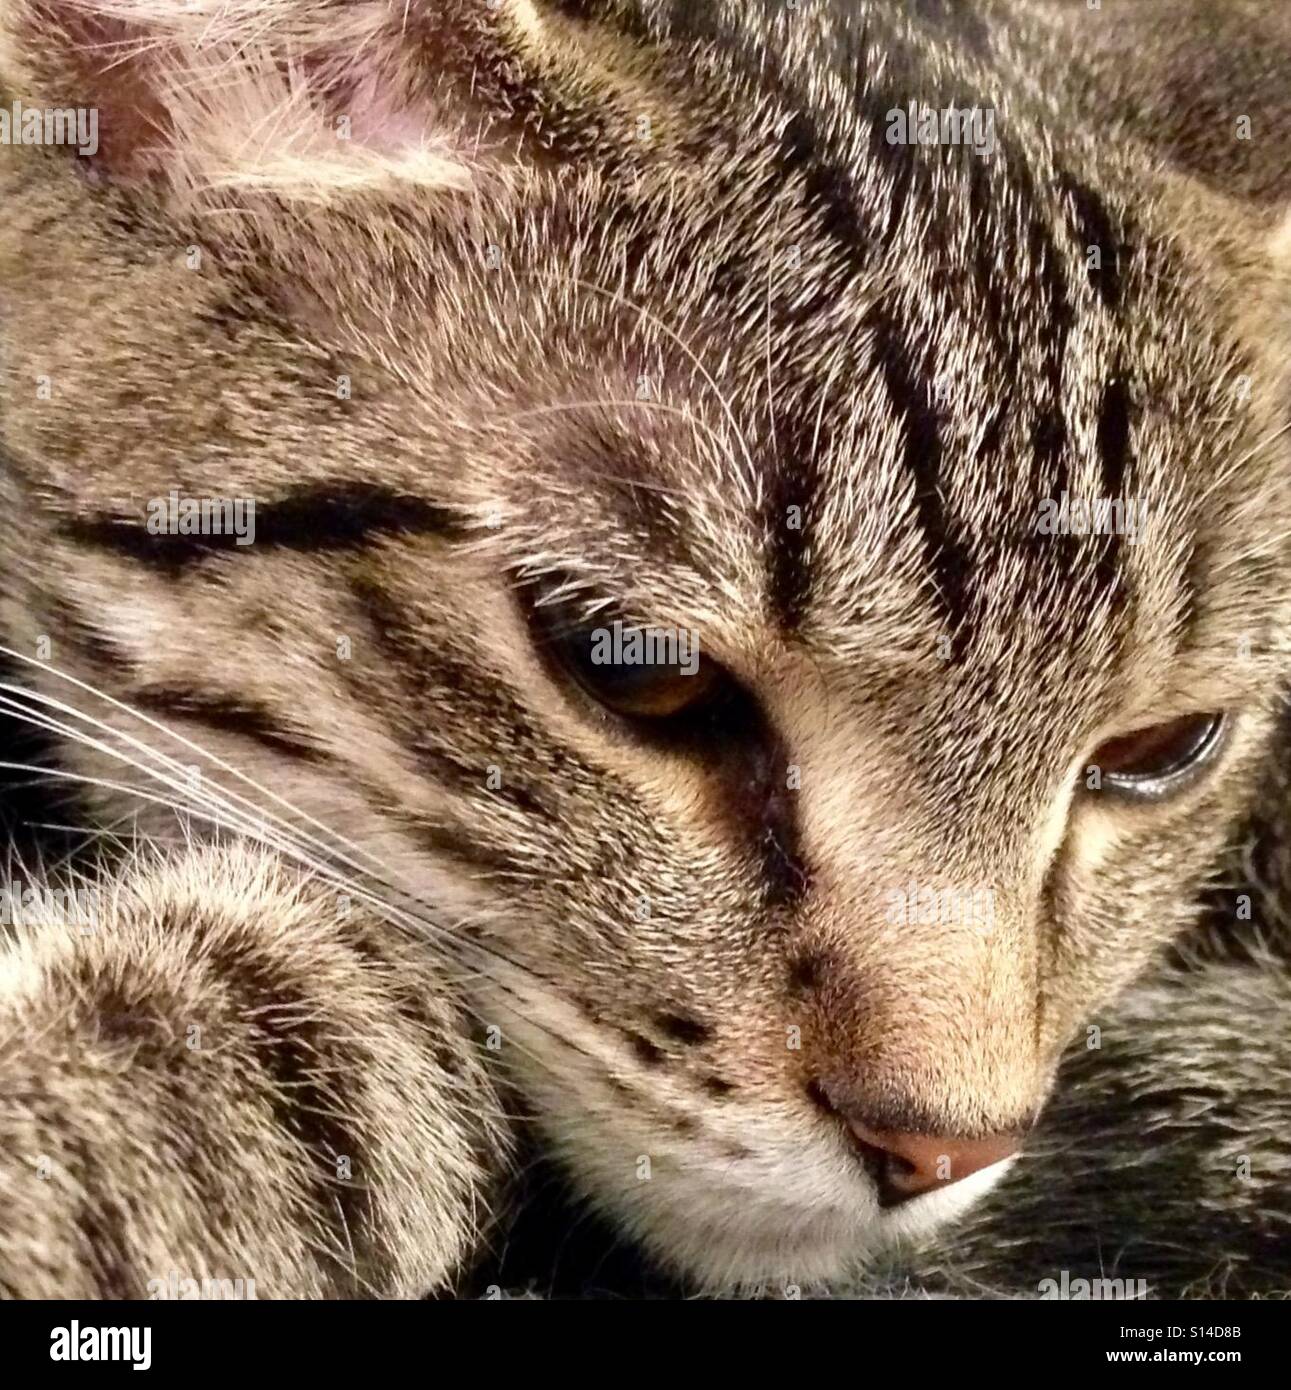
907,380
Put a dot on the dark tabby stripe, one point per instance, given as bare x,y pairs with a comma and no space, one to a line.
947,559
300,1055
424,669
65,614
789,505
230,714
101,1223
457,845
829,191
1049,433
1192,586
984,204
1093,225
336,515
1114,459
1114,435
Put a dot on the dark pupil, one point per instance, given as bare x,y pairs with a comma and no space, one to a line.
616,678
607,664
1154,752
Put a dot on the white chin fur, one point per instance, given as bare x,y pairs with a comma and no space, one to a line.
727,1238
922,1216
750,1198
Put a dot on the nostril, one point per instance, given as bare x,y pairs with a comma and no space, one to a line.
875,1159
919,1163
884,1169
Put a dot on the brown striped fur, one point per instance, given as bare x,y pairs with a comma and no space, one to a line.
635,302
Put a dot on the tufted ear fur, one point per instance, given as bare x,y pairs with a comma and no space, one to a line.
301,98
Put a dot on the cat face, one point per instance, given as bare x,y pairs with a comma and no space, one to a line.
795,627
868,871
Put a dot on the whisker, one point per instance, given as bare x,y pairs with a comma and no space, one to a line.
621,299
262,818
665,407
260,829
399,919
1226,475
184,783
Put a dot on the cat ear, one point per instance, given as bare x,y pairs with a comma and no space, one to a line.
302,98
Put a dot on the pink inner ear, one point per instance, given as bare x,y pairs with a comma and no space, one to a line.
379,119
104,65
205,97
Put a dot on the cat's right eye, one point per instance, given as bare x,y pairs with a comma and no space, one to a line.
1155,761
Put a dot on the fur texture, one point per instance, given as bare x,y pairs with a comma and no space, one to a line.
633,310
251,1083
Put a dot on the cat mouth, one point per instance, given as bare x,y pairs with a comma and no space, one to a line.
762,1192
783,1215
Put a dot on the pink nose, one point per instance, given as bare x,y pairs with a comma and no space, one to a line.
908,1165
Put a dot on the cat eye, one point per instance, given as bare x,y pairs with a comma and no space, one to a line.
1160,759
653,674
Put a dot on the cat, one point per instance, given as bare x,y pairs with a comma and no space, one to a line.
377,372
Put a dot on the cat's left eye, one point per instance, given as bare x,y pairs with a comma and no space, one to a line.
1154,761
651,674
